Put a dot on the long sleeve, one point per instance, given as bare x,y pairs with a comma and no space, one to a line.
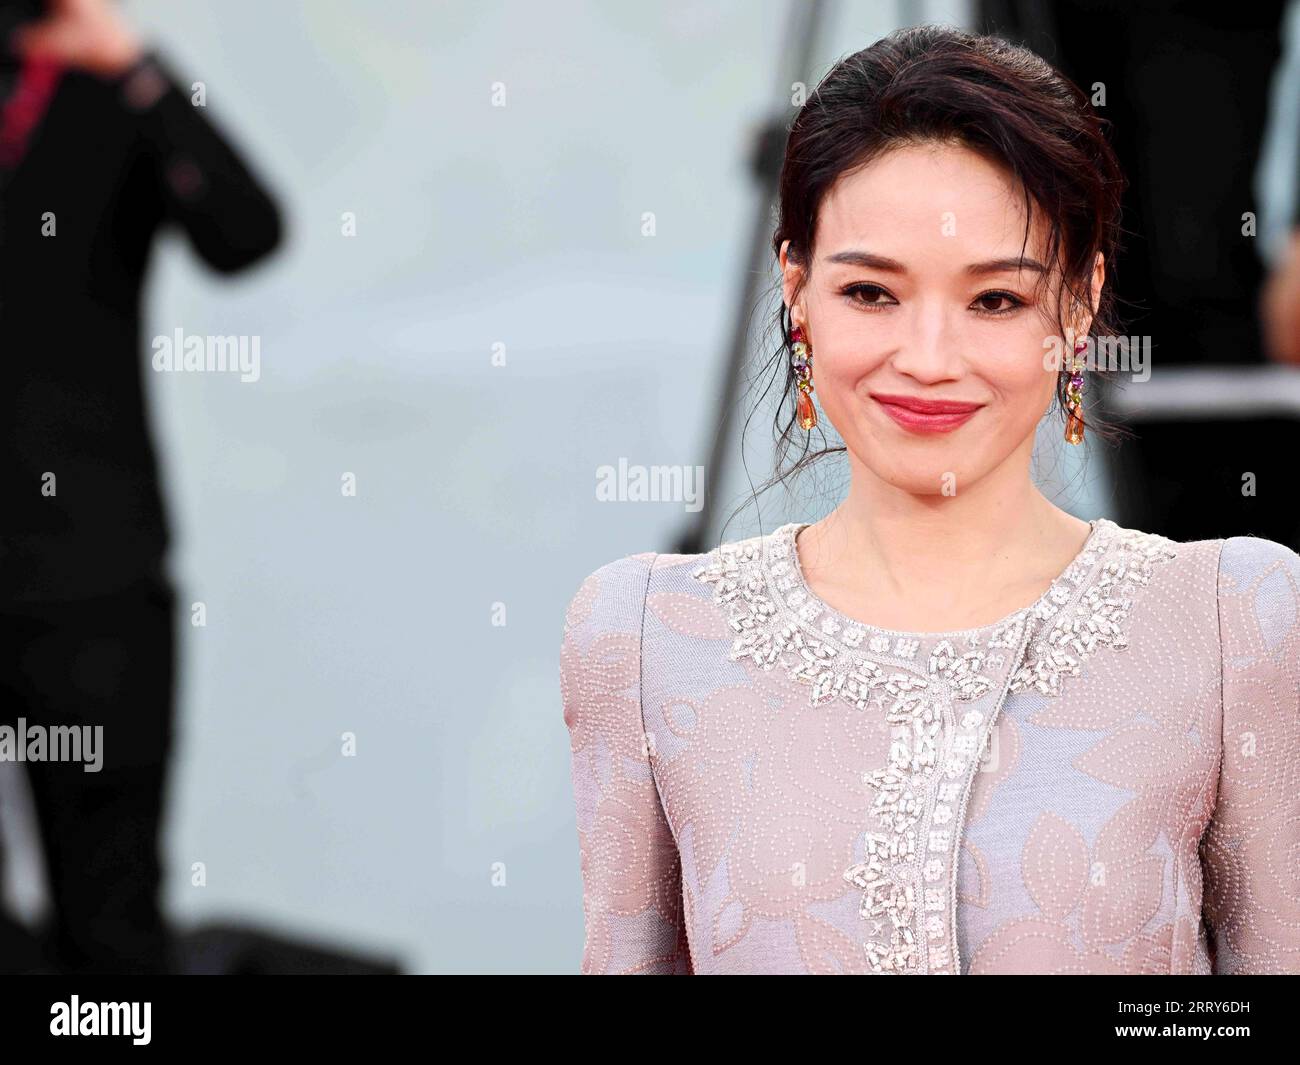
204,186
1250,851
631,869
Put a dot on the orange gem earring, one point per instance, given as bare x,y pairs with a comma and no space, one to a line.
801,363
1074,396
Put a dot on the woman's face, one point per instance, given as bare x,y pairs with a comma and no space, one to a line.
919,290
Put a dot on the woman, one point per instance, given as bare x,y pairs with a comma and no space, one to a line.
949,728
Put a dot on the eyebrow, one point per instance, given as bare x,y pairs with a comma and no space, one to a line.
882,262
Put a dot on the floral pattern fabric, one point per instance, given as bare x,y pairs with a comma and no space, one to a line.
1105,781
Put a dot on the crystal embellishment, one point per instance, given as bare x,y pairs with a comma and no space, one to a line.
770,630
907,877
1099,617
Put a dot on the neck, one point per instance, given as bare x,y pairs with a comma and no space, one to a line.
950,552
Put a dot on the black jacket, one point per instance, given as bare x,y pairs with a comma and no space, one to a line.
110,162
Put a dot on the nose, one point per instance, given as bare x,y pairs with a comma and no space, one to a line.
931,346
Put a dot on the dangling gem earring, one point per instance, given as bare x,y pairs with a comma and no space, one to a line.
801,361
1074,396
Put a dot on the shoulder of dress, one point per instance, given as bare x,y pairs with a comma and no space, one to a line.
1259,632
1127,556
628,580
628,567
1126,537
1228,549
1190,563
732,556
1243,560
613,594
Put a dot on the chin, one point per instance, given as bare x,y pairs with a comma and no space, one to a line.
927,478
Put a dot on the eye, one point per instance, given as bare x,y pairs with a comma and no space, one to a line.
866,295
982,303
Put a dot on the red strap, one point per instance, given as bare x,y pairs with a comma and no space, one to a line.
27,104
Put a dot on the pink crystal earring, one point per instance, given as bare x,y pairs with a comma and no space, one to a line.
801,362
1074,396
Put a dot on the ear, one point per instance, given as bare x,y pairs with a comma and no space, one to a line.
1080,317
1098,281
791,276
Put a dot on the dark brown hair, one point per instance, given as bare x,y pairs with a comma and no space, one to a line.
938,83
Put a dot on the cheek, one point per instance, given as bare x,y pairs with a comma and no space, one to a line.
841,384
844,367
1014,361
1023,384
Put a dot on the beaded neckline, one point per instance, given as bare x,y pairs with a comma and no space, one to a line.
781,557
908,868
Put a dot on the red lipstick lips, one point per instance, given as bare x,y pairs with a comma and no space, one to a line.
926,415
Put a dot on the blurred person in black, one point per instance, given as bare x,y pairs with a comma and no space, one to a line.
99,149
1187,86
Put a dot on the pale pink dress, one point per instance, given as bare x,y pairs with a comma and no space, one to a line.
1105,782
